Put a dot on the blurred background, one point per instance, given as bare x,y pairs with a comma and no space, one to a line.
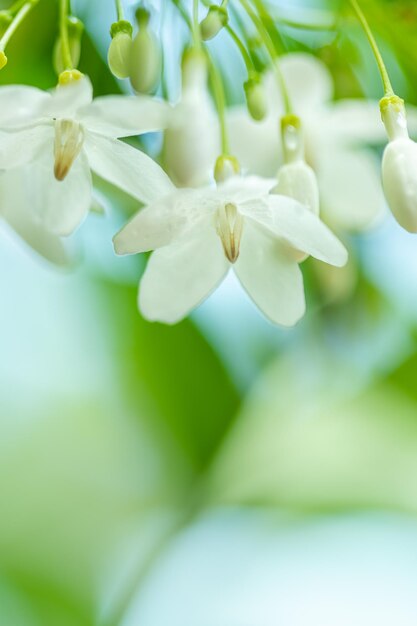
221,472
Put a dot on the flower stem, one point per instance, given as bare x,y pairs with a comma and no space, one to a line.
377,54
242,49
269,45
119,10
63,32
196,26
17,20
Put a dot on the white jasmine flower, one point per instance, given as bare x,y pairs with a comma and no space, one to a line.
191,141
336,135
68,135
399,164
198,235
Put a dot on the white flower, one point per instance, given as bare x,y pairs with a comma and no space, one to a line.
399,165
200,234
68,135
191,141
336,136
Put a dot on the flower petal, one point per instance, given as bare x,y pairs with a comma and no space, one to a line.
17,210
127,168
124,116
180,276
67,99
62,205
289,220
308,81
24,145
161,222
242,188
351,190
20,104
270,277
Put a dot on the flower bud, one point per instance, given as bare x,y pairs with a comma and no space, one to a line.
145,57
295,178
119,53
3,59
75,30
226,167
256,98
399,165
216,19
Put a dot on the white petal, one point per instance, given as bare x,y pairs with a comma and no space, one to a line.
289,220
271,278
350,185
354,121
257,145
309,83
20,104
242,188
124,116
67,99
16,208
62,205
24,145
161,222
127,168
180,276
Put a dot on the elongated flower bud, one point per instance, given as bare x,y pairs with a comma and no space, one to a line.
256,98
295,178
191,142
75,30
399,164
216,19
145,57
120,49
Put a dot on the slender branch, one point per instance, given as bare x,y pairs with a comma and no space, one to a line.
196,26
18,19
245,55
377,54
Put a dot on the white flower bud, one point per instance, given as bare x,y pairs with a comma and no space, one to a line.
145,57
216,19
75,31
256,98
191,141
295,178
399,165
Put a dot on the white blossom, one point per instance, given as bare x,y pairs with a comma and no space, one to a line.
67,135
199,234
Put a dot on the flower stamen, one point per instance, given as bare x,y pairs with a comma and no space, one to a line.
69,138
229,228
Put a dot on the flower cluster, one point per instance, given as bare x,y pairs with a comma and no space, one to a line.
252,188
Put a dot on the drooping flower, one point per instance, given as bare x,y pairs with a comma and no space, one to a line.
191,140
199,234
399,164
337,134
67,135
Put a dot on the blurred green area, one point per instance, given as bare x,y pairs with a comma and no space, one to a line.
117,436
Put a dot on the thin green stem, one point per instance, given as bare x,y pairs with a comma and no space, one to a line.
242,48
377,54
269,45
178,5
196,26
220,100
63,33
119,10
16,6
17,20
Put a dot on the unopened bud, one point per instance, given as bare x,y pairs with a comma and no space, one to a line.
119,54
256,98
145,57
399,164
75,30
216,19
226,167
3,59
